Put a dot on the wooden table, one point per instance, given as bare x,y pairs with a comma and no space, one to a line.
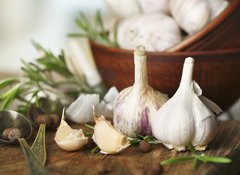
83,162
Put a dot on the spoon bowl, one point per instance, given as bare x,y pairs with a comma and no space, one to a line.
14,119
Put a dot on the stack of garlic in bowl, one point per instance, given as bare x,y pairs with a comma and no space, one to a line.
171,31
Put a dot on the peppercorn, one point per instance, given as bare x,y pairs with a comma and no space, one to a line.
55,119
12,134
101,168
155,169
44,119
144,146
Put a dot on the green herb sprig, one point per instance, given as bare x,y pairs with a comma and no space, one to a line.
139,138
38,79
196,158
96,31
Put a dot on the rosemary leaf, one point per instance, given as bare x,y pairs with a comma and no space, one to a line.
176,160
213,159
89,126
196,164
7,82
34,166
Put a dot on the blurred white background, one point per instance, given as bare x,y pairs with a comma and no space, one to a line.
48,23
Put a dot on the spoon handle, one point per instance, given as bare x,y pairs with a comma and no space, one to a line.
38,146
33,164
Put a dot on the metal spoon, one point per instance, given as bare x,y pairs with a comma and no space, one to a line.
9,119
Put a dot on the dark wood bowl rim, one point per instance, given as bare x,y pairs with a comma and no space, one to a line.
185,53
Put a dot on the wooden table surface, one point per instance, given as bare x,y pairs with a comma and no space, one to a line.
83,162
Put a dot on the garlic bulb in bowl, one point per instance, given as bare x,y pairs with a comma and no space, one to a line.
135,106
157,32
187,117
191,15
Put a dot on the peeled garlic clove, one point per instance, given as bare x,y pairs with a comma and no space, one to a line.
187,117
191,15
136,106
69,139
108,139
147,30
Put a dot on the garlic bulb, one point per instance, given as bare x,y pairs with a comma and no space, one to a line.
154,6
69,139
123,8
187,117
191,15
217,6
148,30
135,106
108,139
80,111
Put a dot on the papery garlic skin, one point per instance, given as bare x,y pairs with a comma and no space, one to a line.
108,139
135,106
148,30
191,15
69,139
186,118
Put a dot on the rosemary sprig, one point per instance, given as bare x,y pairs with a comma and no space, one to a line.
38,79
139,138
196,158
96,32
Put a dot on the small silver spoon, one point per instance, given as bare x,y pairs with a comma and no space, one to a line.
9,119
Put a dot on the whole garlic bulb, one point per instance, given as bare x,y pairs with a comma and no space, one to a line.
187,117
129,8
217,6
135,106
191,15
148,30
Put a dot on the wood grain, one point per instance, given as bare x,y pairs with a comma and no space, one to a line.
128,162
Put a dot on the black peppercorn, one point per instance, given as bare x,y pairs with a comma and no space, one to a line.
144,146
155,169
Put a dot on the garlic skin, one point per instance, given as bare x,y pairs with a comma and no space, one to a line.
191,15
69,139
135,106
148,30
187,117
108,139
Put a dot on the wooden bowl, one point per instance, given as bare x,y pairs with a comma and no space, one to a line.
222,33
217,72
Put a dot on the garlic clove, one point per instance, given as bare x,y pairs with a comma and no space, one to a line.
69,139
211,105
80,111
108,139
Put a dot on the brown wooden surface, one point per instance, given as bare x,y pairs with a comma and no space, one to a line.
126,163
